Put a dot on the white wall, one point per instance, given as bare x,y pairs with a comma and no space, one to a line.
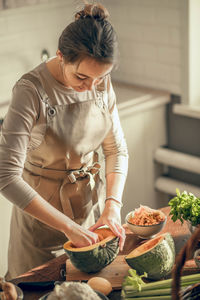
151,37
150,45
194,50
24,33
151,42
145,131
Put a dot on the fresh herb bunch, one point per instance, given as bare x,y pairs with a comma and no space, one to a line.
185,206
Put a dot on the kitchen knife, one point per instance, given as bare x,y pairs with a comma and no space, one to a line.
38,285
41,285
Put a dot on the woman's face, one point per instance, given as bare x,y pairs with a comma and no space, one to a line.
84,75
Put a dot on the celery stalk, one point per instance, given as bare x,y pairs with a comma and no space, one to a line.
156,292
151,298
158,289
185,280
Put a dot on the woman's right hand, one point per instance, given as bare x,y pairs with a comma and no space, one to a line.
81,237
46,213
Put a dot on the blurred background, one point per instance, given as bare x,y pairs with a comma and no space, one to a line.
156,83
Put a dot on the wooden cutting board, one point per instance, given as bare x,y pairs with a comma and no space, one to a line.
114,272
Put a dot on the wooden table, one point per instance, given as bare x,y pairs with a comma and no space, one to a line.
54,269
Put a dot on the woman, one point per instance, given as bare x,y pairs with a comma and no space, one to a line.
60,115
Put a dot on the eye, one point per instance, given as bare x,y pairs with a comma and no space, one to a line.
80,78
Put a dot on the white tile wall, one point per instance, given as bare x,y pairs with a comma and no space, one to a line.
24,33
150,44
150,39
19,3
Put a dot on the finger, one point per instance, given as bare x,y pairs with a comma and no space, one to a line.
122,230
87,240
2,296
82,243
121,243
119,231
114,229
123,238
94,237
95,226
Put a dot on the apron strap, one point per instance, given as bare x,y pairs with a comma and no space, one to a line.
70,176
38,85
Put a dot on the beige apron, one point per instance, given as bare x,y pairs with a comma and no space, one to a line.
64,171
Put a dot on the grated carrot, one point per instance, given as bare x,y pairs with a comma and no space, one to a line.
145,215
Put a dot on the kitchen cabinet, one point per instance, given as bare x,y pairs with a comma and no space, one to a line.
143,115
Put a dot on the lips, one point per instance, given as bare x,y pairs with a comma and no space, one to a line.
79,89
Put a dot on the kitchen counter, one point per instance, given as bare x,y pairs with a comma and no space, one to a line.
127,95
55,269
133,99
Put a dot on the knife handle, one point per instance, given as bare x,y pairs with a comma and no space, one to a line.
38,285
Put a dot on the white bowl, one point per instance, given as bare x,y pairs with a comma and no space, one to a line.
101,296
144,231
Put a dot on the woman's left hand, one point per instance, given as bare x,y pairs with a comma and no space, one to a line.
111,217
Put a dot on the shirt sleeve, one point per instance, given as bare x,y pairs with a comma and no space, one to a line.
114,145
14,139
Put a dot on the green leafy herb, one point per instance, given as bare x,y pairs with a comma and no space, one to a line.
185,206
134,280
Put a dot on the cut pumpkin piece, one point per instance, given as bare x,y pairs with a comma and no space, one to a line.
155,257
92,259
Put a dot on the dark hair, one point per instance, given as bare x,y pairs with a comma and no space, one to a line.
90,35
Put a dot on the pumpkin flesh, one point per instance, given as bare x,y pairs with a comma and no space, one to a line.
92,259
155,257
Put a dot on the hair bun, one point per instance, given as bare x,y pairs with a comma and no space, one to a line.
96,11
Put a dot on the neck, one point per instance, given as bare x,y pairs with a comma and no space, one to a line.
56,70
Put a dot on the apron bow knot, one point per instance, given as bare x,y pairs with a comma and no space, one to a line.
83,172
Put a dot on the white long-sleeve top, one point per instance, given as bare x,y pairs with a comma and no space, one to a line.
24,127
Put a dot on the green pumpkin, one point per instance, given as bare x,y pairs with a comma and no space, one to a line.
155,257
92,259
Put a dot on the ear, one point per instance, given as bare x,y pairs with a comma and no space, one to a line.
59,55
